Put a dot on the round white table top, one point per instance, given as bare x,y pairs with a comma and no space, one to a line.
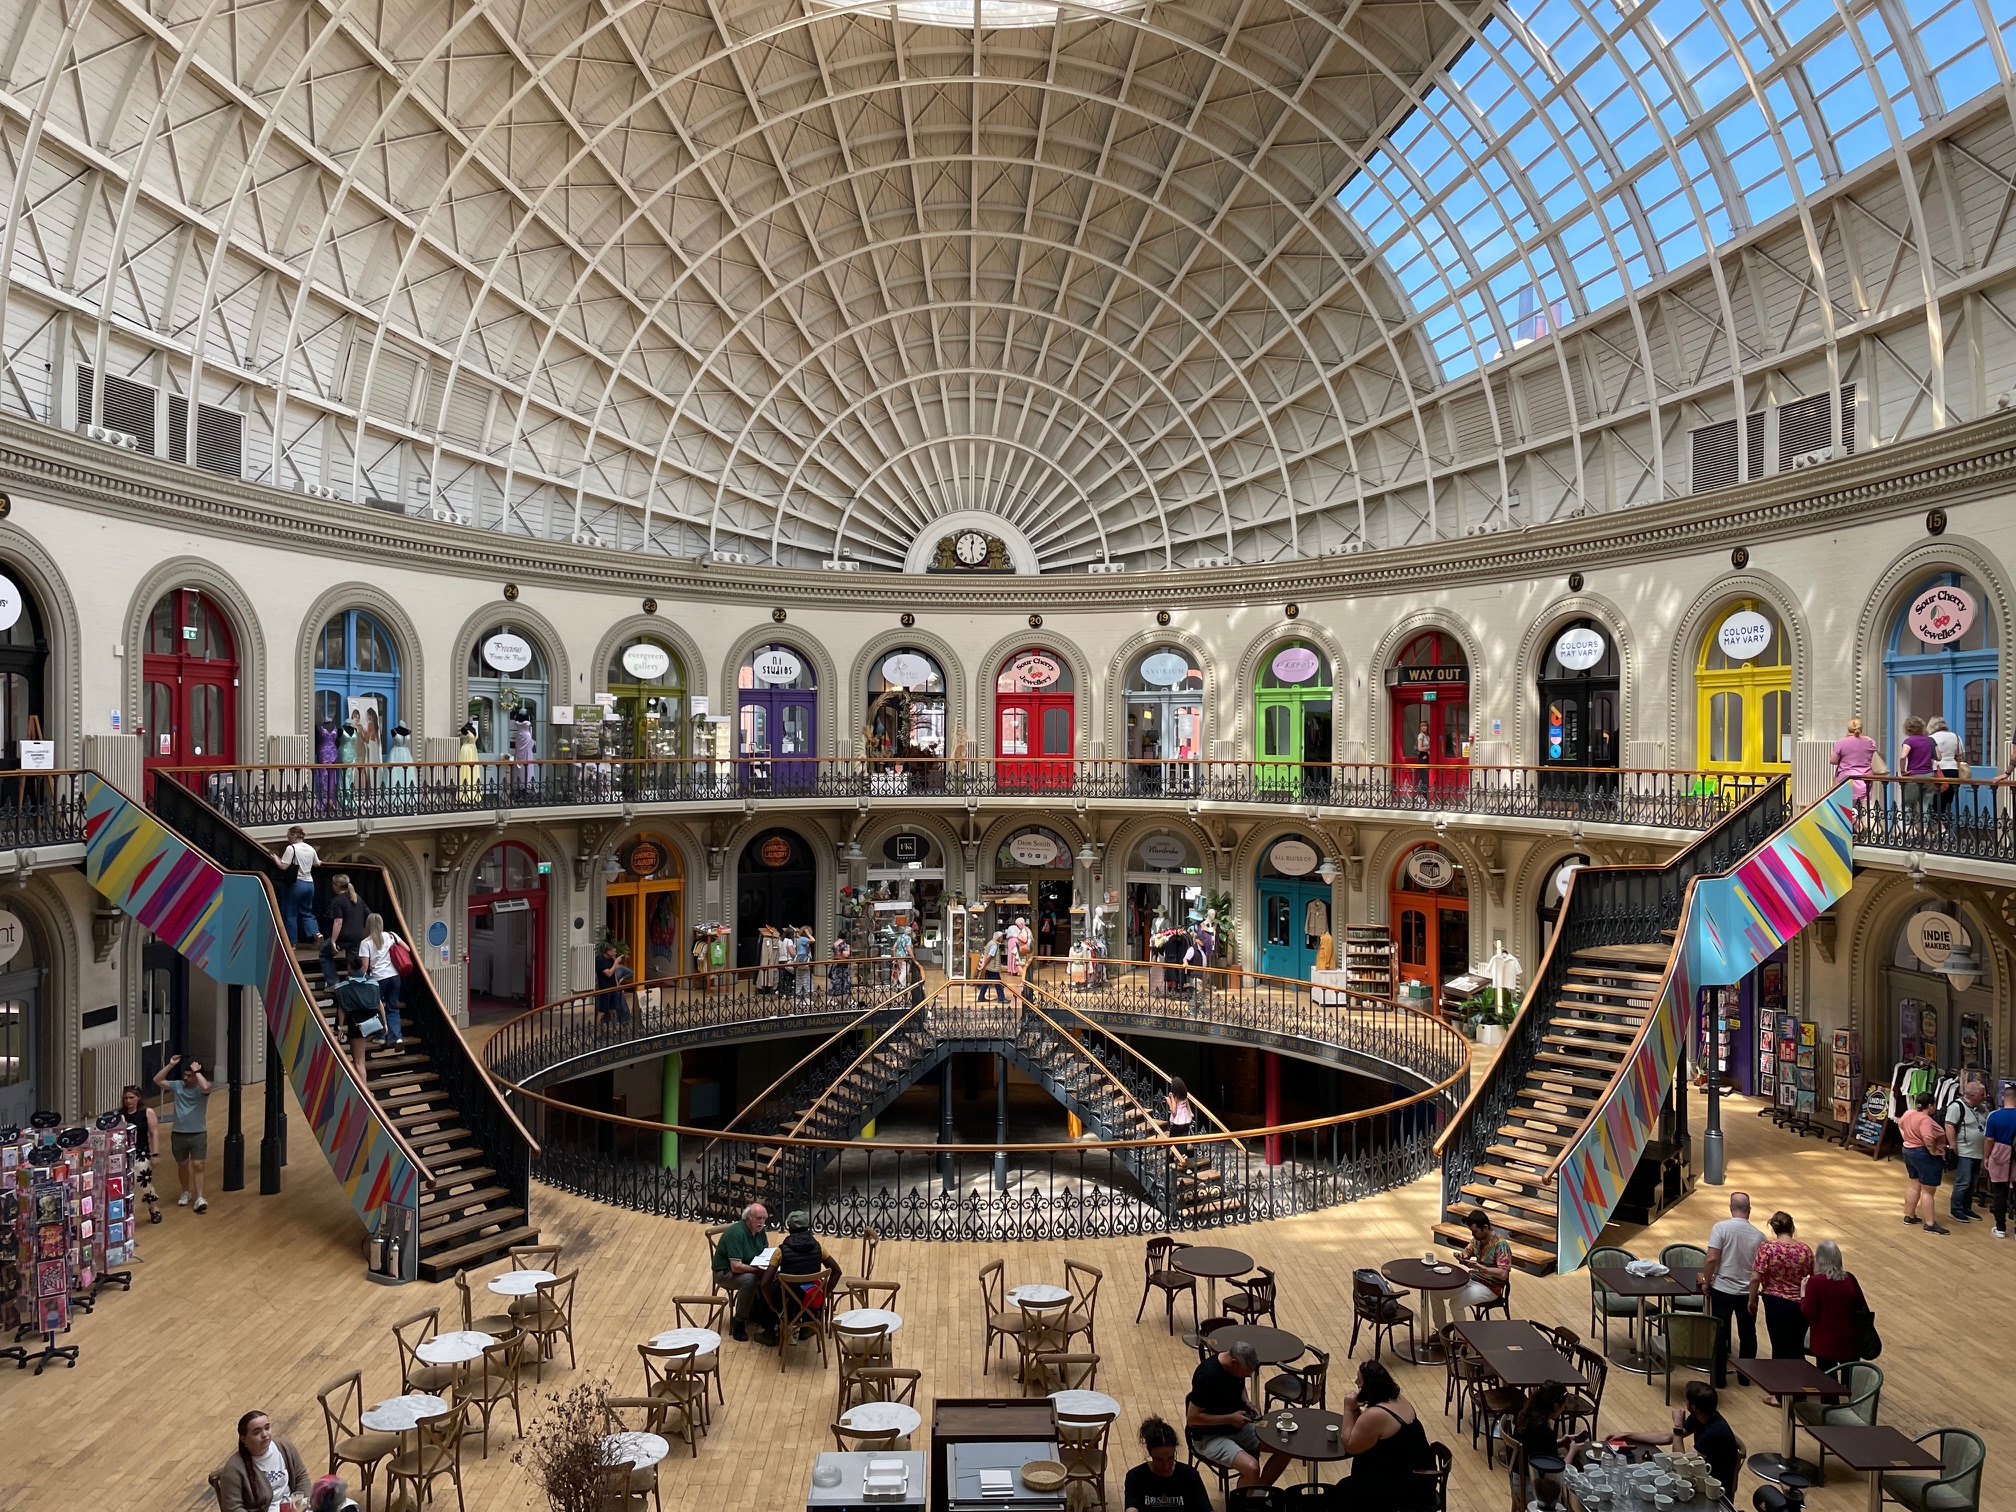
519,1283
454,1348
882,1417
705,1339
640,1449
1038,1291
870,1317
401,1413
1084,1404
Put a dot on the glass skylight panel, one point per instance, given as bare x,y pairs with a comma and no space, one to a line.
1955,46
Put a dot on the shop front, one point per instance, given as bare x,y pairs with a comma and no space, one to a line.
23,1023
1165,887
357,683
909,871
776,887
905,725
1580,733
1035,721
1429,685
1294,899
1430,905
1938,997
1295,711
777,714
1165,722
508,698
24,665
1943,661
507,931
1743,687
189,705
646,715
643,907
1034,867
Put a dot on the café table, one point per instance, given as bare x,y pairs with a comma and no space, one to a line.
520,1283
1518,1353
704,1340
1421,1276
1039,1293
402,1414
1788,1380
870,1317
1211,1263
1316,1439
1085,1404
1681,1281
640,1450
1274,1346
1874,1449
898,1418
457,1348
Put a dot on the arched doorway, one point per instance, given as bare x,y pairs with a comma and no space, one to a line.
775,885
1943,658
643,906
1034,866
1927,1012
1295,719
1429,684
648,717
507,931
1431,918
777,692
1294,907
1165,721
24,666
910,868
190,683
1743,685
1580,693
904,727
1165,885
22,1022
508,695
1035,721
356,684
1553,896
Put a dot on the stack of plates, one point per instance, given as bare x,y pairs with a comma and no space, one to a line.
885,1477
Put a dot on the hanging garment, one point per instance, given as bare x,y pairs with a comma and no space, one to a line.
472,776
1316,918
401,774
522,740
325,756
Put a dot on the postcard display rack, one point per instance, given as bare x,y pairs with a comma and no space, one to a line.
1789,1070
66,1228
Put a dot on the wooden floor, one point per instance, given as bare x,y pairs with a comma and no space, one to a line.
261,1300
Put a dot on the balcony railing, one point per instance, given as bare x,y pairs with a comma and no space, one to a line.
1939,816
263,795
41,808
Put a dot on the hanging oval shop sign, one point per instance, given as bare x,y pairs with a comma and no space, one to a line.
1430,870
10,603
1939,616
12,936
1297,664
1165,669
1580,649
505,652
1035,670
1162,852
906,669
643,858
1293,858
776,666
646,662
776,851
1934,936
1743,635
1037,850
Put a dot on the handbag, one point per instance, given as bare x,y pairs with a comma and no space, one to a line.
1868,1342
371,1027
401,958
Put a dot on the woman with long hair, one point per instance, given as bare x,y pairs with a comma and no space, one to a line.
146,1145
375,951
265,1471
1387,1444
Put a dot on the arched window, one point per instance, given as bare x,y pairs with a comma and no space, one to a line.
507,930
1579,696
1743,679
189,691
649,716
1943,659
1035,719
1165,719
1295,711
906,705
508,690
1429,683
357,681
777,718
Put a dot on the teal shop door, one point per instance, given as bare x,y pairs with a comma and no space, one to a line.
1287,943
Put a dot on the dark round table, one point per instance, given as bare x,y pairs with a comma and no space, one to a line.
1310,1442
1213,1263
1274,1346
1418,1275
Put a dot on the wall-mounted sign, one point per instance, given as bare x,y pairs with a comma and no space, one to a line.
1430,870
906,669
1579,650
904,849
1743,635
1035,669
1296,664
775,666
646,662
1162,852
1293,858
511,905
1033,849
1932,937
12,936
1939,616
507,652
1561,876
1428,677
643,857
776,851
1165,669
10,603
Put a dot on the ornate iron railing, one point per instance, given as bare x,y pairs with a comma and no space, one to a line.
1939,816
41,808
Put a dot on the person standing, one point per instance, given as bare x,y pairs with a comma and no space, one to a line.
361,1006
1924,1162
1945,761
1999,1141
840,974
1779,1279
375,951
297,902
990,970
608,1000
1834,1308
1916,755
146,1146
190,1143
1854,759
346,914
1726,1276
1967,1135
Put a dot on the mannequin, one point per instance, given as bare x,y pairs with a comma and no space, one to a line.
325,756
400,775
346,753
471,773
522,737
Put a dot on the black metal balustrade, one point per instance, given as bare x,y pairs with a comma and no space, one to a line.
41,808
1939,816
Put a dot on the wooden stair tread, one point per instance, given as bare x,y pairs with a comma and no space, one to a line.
1633,955
1526,1202
1650,978
1596,1026
1528,1256
444,1262
1538,1136
1566,1099
1583,1042
1591,989
1505,1173
475,1223
426,1139
439,1202
1545,1077
1536,1158
1511,1223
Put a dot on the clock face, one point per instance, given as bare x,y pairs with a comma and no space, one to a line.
970,547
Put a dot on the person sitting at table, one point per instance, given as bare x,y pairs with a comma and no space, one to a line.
801,1254
264,1472
1538,1432
739,1244
1714,1440
1390,1460
1219,1420
1488,1260
1162,1485
331,1493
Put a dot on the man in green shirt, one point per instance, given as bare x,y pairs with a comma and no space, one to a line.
740,1244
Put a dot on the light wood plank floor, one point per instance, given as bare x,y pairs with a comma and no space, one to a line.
261,1300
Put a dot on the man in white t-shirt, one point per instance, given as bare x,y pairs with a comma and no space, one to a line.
1725,1277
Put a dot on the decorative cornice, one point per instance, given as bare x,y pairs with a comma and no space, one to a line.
1943,468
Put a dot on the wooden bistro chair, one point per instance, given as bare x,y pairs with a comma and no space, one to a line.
1001,1323
857,1349
495,1382
350,1442
1067,1372
1374,1301
415,1374
1081,1449
863,1441
494,1324
711,1313
1564,1340
436,1451
1605,1304
544,1257
619,1493
1585,1402
551,1319
796,1314
1256,1300
853,1294
1437,1498
669,1377
1045,1330
888,1383
1083,1317
1157,1274
1208,1327
713,1237
1502,1303
1302,1385
647,1414
870,1241
1464,1368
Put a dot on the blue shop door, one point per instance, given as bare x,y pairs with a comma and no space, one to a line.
1287,945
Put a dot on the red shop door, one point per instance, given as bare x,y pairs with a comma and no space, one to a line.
1033,739
189,696
1430,728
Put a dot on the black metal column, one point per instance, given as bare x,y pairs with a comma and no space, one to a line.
234,1068
272,1148
1001,1124
945,1121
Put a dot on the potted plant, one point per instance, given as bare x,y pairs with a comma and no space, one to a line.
562,1451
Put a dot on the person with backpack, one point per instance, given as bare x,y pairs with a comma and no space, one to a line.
361,1005
1967,1136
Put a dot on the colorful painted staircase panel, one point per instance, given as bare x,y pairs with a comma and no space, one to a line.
1729,926
227,925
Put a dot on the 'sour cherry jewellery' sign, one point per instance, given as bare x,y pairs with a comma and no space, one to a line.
1939,616
1743,635
1035,670
1296,664
505,652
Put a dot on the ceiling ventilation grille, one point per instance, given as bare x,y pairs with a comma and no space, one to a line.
128,409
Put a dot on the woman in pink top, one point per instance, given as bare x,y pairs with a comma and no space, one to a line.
1778,1276
1924,1162
1855,756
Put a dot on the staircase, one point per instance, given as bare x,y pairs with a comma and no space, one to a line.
1587,1014
432,1095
